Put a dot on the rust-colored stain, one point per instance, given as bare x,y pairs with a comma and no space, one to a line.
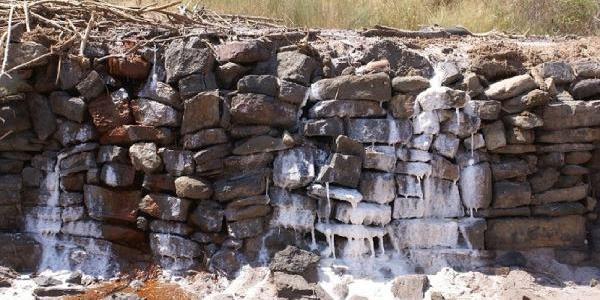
131,67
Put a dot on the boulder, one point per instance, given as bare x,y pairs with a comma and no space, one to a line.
201,111
44,121
259,84
245,228
110,111
528,233
177,162
525,120
510,87
91,86
293,260
243,52
426,122
346,109
186,57
402,106
410,84
483,109
191,85
117,174
153,113
165,207
494,134
378,187
193,188
109,205
293,168
264,143
446,145
574,135
343,169
569,194
246,212
295,67
240,186
257,109
560,72
376,87
388,131
144,157
382,158
586,88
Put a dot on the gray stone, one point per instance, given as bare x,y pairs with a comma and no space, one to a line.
331,127
510,87
259,84
69,133
586,88
418,169
508,194
578,157
177,162
343,169
346,108
264,143
483,109
245,228
25,51
193,188
292,92
402,106
144,157
257,109
105,205
476,186
293,168
423,233
243,52
472,231
446,145
574,135
191,85
161,92
208,217
153,113
409,186
165,207
461,125
544,179
526,101
377,187
410,84
205,137
421,142
494,134
91,86
382,158
376,87
518,135
295,66
572,114
183,58
117,175
426,122
474,142
246,212
441,98
240,186
386,131
44,121
441,199
569,194
525,120
72,108
159,182
510,168
111,153
558,209
174,246
410,287
346,145
560,72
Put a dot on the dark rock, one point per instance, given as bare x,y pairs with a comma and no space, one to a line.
331,127
177,162
178,247
44,121
46,281
381,158
346,108
257,109
377,187
193,188
170,227
295,67
240,186
526,101
264,143
290,286
111,153
183,58
11,243
117,175
91,86
208,216
246,212
112,111
410,84
410,287
165,207
510,168
72,108
586,88
571,114
472,231
245,228
446,145
153,113
376,87
225,262
293,168
560,72
191,85
558,209
259,84
525,120
58,291
494,134
402,106
69,133
159,182
292,92
243,52
402,60
509,194
512,259
293,260
205,137
129,134
544,179
441,98
161,92
569,194
483,109
343,169
24,52
104,204
229,73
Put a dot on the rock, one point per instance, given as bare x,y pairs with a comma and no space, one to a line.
346,108
402,60
161,92
69,133
7,275
387,131
335,192
571,114
402,106
567,147
586,88
111,153
410,287
417,169
363,213
346,145
377,187
117,175
441,199
509,194
426,122
183,58
72,108
578,157
91,86
205,137
264,143
44,121
292,93
483,109
446,145
174,246
382,158
476,186
24,52
510,87
528,233
259,84
343,169
560,72
295,67
165,207
257,109
558,209
423,233
293,260
243,52
106,205
177,162
291,286
410,84
331,127
409,186
246,212
472,231
225,262
586,68
201,111
240,186
525,120
46,281
461,125
510,168
129,134
474,142
110,111
58,291
159,182
574,170
494,135
153,113
241,131
376,87
170,227
245,228
421,142
208,217
441,98
518,135
191,85
544,179
526,101
569,194
233,164
293,168
193,188
575,135
144,157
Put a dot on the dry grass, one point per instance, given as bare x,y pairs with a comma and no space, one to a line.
515,16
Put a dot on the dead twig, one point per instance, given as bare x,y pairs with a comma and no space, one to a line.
86,35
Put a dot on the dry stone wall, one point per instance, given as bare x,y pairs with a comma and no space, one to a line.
192,155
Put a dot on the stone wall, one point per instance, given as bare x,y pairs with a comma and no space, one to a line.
198,154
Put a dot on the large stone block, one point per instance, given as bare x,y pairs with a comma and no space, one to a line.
386,131
376,87
183,58
571,114
510,87
165,207
423,233
378,187
293,168
201,111
257,109
476,186
528,233
343,169
509,194
106,205
346,109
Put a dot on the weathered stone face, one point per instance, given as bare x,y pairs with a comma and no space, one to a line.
376,87
185,58
201,111
257,109
165,207
104,204
293,168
